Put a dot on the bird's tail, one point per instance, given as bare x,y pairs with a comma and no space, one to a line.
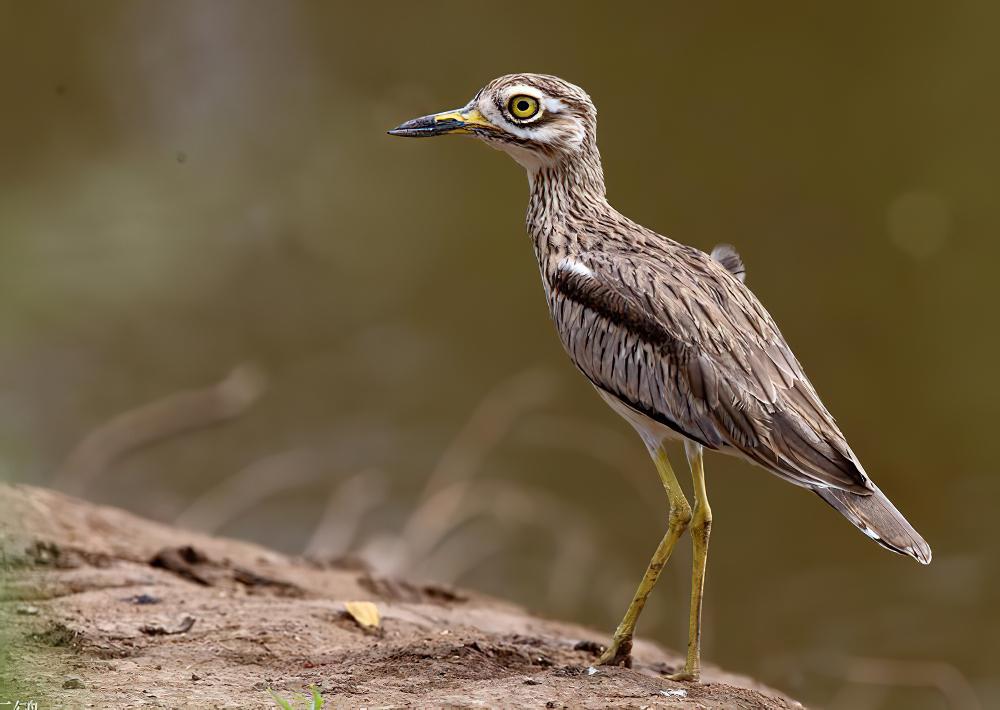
877,518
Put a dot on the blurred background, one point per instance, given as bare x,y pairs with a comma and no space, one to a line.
229,300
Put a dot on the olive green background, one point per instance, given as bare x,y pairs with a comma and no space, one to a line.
185,186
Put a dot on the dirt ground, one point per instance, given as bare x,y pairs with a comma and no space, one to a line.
102,609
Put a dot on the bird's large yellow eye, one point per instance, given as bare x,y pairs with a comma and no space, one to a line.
523,107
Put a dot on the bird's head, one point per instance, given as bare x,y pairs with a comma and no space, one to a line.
539,119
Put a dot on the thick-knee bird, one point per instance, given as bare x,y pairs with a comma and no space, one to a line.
669,336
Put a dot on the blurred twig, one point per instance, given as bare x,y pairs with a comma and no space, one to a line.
251,486
876,672
486,426
164,418
451,498
345,510
511,504
615,450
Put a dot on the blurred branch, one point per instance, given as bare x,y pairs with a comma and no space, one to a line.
251,486
512,505
489,422
518,506
944,677
345,510
164,418
616,451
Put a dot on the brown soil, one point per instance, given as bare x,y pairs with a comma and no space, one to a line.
104,609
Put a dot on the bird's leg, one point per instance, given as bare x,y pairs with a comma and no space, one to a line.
701,527
620,650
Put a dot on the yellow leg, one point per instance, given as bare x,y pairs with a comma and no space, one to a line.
619,652
701,528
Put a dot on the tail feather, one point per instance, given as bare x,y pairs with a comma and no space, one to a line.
877,518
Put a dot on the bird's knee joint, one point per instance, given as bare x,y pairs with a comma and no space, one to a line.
702,517
680,517
703,530
701,525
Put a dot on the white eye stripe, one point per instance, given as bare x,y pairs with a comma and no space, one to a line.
512,91
553,105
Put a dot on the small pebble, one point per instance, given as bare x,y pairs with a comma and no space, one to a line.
73,684
591,670
142,599
674,693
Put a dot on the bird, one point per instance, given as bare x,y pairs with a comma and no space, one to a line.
669,336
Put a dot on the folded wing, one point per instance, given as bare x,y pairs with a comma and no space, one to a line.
683,341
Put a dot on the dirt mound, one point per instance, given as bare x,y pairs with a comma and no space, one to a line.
102,608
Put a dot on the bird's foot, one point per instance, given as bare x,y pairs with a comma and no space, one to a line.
619,653
686,676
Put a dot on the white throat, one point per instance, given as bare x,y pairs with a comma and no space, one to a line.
528,159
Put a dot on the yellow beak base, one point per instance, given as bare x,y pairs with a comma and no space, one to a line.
441,124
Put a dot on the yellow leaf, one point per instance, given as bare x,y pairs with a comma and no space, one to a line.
365,613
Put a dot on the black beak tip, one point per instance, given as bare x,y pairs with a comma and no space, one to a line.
404,130
413,127
425,126
401,130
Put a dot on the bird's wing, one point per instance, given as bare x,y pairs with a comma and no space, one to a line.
683,341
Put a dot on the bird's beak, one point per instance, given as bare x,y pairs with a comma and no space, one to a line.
439,124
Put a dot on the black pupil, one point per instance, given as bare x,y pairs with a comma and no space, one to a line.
522,105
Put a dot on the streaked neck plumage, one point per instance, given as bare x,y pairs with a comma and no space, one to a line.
564,193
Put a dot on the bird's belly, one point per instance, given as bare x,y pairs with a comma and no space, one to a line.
653,433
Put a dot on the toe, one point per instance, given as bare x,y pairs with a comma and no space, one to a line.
685,677
617,654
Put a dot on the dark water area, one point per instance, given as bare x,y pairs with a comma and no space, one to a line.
187,187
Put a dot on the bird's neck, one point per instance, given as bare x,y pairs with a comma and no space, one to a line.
562,194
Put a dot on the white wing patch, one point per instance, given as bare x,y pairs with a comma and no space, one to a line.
575,267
